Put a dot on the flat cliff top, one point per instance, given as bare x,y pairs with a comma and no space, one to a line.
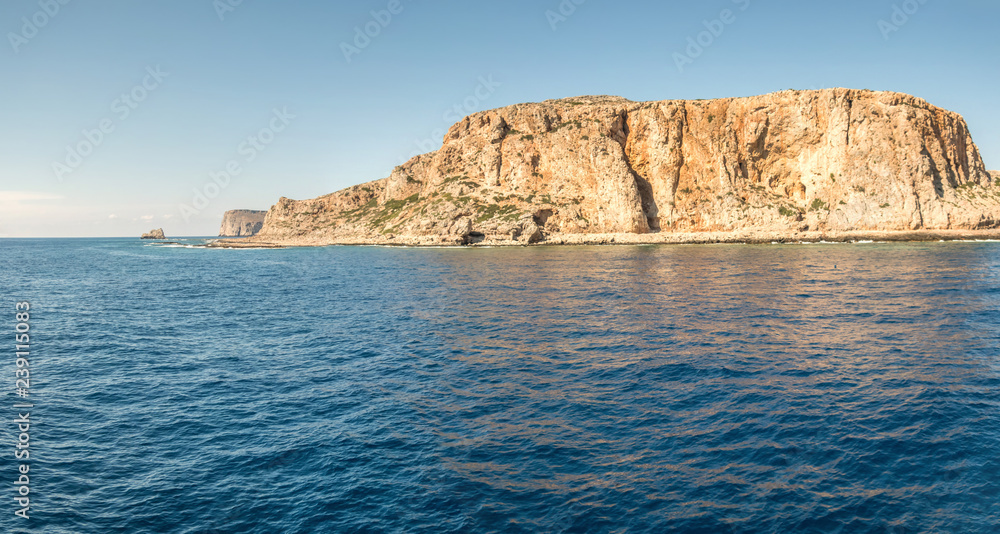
789,95
245,212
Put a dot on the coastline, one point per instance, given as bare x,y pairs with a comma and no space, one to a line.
600,170
663,238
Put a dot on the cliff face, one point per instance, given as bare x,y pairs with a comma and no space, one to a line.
242,223
830,160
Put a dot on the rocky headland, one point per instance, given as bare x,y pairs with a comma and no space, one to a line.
834,164
242,223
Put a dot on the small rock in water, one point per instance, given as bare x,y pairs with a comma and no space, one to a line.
154,234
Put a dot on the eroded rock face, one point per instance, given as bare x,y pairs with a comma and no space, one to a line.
829,160
242,223
154,234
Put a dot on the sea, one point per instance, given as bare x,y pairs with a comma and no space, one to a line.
801,388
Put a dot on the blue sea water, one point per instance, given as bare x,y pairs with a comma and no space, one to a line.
792,388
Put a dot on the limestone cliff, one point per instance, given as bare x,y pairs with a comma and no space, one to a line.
242,223
829,160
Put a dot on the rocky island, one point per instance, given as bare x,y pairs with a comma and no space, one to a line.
154,234
833,164
242,223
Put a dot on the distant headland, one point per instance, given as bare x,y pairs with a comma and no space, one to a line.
834,164
242,223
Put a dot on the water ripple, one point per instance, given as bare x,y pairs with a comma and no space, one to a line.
594,389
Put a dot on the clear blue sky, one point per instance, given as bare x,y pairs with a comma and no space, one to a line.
355,120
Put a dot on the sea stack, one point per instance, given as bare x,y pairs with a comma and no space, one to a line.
242,223
154,234
835,160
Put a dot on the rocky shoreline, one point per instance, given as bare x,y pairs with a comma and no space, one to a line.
623,239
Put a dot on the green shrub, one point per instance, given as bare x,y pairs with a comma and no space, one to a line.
819,205
392,209
396,205
495,210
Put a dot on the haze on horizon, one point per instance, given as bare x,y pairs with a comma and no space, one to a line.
118,115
